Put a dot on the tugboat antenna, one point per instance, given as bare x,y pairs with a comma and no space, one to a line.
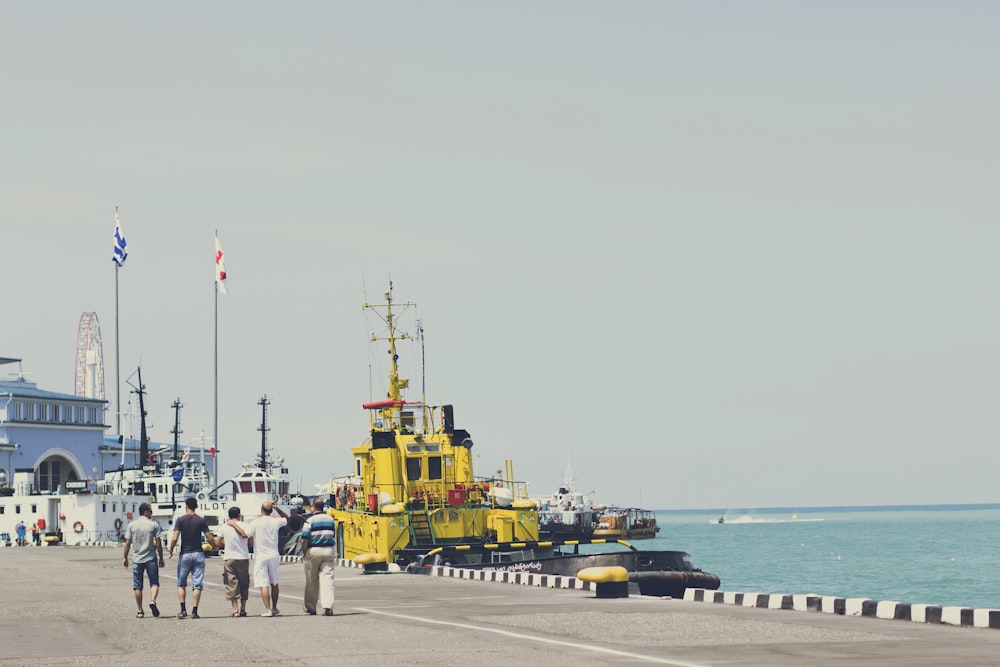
423,374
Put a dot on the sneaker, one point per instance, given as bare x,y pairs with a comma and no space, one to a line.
194,614
267,614
182,614
275,611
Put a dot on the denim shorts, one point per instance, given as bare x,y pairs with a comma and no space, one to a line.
151,568
194,564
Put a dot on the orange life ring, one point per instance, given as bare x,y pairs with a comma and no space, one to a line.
118,524
77,527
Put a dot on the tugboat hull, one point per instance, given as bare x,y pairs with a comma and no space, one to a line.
655,573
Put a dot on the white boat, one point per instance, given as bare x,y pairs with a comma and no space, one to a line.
78,513
568,513
266,479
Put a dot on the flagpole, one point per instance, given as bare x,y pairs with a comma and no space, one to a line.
118,373
215,435
118,379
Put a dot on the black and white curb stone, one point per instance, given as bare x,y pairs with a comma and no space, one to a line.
900,611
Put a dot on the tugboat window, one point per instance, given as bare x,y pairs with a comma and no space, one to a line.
413,467
433,467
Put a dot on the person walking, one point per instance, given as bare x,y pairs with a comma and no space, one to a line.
21,530
264,530
319,541
235,561
189,529
142,538
34,534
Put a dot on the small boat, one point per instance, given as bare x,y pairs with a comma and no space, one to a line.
626,523
266,479
567,514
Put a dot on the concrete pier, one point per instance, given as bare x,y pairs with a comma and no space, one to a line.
74,605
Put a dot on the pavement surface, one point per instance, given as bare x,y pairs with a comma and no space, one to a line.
74,606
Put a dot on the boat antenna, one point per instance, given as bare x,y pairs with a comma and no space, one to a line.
423,373
263,403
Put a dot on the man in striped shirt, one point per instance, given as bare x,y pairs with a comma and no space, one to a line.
319,535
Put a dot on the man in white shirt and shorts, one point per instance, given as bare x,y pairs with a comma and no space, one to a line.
264,531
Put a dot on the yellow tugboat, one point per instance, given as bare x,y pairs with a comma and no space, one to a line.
412,487
412,501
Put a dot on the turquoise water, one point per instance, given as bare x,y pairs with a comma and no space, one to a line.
930,554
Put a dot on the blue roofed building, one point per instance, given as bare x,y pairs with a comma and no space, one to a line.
53,436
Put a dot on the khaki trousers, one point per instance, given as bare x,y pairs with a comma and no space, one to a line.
318,564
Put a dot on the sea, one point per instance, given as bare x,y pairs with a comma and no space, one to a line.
923,554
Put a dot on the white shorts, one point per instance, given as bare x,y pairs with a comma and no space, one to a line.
265,572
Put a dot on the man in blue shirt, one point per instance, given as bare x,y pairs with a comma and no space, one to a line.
189,529
319,541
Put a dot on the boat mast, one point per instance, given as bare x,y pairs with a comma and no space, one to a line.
568,481
177,405
396,383
263,403
143,438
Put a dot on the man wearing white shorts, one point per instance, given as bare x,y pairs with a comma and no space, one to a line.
264,530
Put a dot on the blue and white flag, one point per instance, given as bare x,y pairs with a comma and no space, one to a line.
121,251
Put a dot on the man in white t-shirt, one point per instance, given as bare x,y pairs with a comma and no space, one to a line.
235,561
264,531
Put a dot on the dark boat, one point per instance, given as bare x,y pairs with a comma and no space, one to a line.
655,572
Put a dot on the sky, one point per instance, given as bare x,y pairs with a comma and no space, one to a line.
712,254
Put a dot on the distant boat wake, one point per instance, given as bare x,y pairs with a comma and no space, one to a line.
746,518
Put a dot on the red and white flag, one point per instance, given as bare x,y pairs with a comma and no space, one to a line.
220,267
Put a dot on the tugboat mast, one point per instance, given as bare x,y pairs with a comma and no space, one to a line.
394,395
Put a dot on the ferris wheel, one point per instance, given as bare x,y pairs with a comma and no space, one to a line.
89,358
